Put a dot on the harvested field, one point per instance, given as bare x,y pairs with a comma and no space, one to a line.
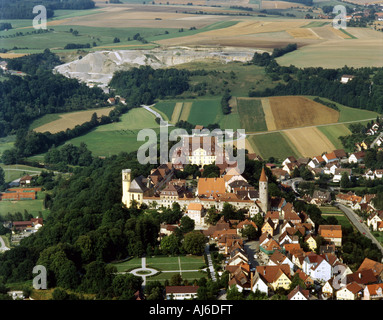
177,112
270,123
309,141
339,33
338,53
302,33
295,111
10,55
71,119
185,111
280,5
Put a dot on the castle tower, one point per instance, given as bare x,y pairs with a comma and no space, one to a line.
126,180
264,191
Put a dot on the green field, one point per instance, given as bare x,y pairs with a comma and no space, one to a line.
273,144
34,207
166,108
251,115
336,213
334,132
117,137
205,111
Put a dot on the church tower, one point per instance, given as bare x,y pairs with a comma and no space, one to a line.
264,191
126,180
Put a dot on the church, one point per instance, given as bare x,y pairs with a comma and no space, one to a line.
160,188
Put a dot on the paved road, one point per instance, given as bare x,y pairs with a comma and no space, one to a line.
360,226
210,263
3,247
148,108
293,183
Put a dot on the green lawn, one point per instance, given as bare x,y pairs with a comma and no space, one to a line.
273,144
168,266
15,171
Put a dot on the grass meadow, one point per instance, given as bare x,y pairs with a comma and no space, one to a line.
274,144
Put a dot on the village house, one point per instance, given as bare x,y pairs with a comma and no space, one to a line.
320,197
346,78
352,291
356,157
312,244
275,276
181,292
278,258
374,219
195,211
298,293
317,267
338,173
373,292
331,233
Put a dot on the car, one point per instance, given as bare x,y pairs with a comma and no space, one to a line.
364,233
361,220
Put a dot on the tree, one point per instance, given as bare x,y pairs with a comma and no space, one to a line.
170,244
249,232
175,280
344,181
234,294
194,243
187,224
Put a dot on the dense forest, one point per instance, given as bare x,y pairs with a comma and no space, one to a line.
23,9
143,85
23,99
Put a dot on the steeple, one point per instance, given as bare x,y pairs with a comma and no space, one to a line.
264,191
263,177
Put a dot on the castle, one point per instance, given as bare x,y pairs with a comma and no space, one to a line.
161,189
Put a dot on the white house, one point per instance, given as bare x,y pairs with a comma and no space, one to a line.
346,78
339,172
299,294
356,157
317,267
181,292
257,283
352,291
373,292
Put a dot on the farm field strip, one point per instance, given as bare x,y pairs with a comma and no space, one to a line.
270,123
185,111
71,119
309,141
177,112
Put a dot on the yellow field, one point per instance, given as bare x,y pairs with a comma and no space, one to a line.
176,112
269,118
295,111
302,33
185,111
10,55
339,33
70,120
309,141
